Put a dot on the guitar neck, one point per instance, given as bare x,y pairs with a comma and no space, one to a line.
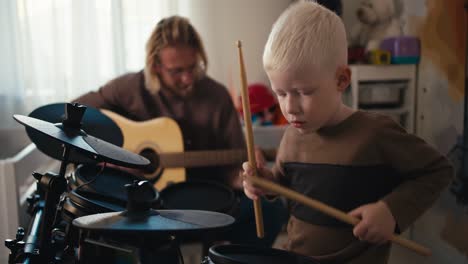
205,158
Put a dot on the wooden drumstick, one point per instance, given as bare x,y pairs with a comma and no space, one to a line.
328,210
249,134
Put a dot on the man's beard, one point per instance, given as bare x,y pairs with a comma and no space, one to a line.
183,90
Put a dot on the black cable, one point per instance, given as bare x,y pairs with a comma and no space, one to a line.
93,179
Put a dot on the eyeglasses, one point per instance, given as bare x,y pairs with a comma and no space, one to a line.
178,72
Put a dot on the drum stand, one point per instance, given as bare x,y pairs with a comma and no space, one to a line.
39,245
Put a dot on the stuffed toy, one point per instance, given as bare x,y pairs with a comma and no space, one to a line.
377,20
263,106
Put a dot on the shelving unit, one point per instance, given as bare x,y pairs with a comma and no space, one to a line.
385,81
268,137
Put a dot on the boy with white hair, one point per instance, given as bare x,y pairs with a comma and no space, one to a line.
359,162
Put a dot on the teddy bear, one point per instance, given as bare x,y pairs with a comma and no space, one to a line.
377,20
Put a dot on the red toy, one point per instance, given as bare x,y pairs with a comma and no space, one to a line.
263,106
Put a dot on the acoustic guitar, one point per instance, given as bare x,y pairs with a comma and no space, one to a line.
160,140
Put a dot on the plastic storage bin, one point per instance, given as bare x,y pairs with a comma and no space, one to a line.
404,49
381,94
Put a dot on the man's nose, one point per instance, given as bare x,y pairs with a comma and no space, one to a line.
187,77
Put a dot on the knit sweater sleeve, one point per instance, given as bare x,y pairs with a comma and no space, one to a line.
425,172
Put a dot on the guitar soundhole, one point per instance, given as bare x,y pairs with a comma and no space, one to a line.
153,157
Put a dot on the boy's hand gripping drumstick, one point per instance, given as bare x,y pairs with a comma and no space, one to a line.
333,212
249,134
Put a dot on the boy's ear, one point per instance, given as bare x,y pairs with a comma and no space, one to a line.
343,78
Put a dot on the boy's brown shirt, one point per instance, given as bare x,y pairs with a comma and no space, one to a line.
365,158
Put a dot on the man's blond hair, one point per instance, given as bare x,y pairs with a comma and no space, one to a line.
306,34
171,31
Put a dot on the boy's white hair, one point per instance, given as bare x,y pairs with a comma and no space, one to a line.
306,34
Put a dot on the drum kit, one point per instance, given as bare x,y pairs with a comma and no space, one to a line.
102,214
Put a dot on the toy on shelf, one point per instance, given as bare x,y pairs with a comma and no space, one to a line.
379,57
403,49
377,20
263,106
356,54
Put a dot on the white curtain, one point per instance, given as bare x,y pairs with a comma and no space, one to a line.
55,50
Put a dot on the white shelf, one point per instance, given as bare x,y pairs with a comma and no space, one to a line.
367,72
400,110
268,137
364,73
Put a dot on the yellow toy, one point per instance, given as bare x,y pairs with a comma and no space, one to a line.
379,57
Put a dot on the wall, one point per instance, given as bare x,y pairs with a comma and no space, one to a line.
222,23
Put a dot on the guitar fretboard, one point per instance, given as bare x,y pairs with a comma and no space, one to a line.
204,158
